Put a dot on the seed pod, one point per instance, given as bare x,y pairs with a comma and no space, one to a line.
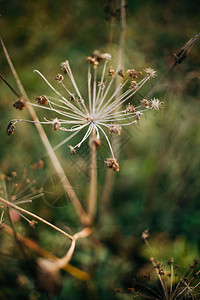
19,104
10,129
42,100
59,77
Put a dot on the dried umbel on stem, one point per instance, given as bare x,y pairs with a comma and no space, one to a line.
18,189
188,284
19,104
103,110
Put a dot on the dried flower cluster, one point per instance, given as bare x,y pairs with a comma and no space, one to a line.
103,111
17,190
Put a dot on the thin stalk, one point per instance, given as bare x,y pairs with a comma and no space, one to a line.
109,179
9,204
92,197
79,274
55,162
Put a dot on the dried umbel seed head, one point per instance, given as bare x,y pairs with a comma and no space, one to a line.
97,143
150,72
156,104
133,85
133,74
19,104
161,272
101,85
138,115
106,56
59,77
130,109
56,124
145,102
170,261
112,163
121,73
10,129
73,98
42,100
72,150
92,61
111,72
145,234
64,66
38,165
116,129
97,55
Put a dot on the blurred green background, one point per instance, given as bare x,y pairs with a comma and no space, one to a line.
158,186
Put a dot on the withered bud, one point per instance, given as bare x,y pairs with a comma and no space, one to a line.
111,72
73,98
116,129
97,143
64,65
101,85
133,74
112,164
97,55
145,234
56,124
33,223
145,102
10,129
121,73
59,77
92,61
106,56
133,85
38,165
19,104
138,115
130,109
72,150
42,100
170,261
161,272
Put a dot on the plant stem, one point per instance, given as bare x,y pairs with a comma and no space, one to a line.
109,180
8,204
29,243
56,164
92,197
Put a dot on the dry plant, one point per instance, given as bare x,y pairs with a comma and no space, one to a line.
164,281
102,112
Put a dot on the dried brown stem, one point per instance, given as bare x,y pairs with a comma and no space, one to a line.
34,216
92,197
56,164
60,263
79,274
109,179
178,59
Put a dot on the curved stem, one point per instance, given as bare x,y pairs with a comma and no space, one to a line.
92,197
8,204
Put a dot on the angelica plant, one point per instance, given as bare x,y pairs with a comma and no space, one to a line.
103,112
